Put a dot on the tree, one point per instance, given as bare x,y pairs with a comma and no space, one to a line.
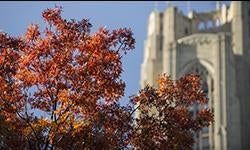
60,89
166,120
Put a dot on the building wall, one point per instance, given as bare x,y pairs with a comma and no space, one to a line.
176,43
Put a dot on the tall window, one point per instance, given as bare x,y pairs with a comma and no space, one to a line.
202,140
248,21
201,26
210,24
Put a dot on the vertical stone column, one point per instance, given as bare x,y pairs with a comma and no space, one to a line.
219,97
169,26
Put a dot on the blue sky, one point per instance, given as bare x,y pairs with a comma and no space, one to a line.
16,16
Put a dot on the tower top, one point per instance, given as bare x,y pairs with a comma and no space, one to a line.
168,3
188,7
217,5
156,6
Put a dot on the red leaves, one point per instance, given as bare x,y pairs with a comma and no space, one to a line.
205,117
68,75
74,78
32,32
123,36
166,113
53,16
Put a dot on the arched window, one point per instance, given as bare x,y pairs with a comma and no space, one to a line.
186,31
201,26
210,24
248,21
202,139
217,22
205,87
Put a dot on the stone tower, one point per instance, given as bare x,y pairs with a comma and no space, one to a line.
216,45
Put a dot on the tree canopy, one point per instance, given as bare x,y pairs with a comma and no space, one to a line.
60,89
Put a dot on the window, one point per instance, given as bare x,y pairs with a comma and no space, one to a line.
186,31
248,21
210,24
205,130
217,22
202,140
205,87
205,143
201,26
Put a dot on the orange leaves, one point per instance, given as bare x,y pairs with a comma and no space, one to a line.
2,59
67,74
53,16
74,79
205,116
123,36
32,32
53,71
172,105
63,95
166,85
190,82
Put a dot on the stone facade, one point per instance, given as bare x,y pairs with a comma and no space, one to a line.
216,45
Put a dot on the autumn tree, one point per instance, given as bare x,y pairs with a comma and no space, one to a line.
166,120
60,89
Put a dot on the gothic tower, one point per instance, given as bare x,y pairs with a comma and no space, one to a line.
215,45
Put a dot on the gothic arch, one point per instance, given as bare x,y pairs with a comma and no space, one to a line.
205,70
201,26
210,24
207,65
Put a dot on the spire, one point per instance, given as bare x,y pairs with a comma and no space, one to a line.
188,7
156,5
168,3
217,5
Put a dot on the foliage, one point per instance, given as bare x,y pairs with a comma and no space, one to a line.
60,89
166,119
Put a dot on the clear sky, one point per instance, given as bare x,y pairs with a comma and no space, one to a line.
16,16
